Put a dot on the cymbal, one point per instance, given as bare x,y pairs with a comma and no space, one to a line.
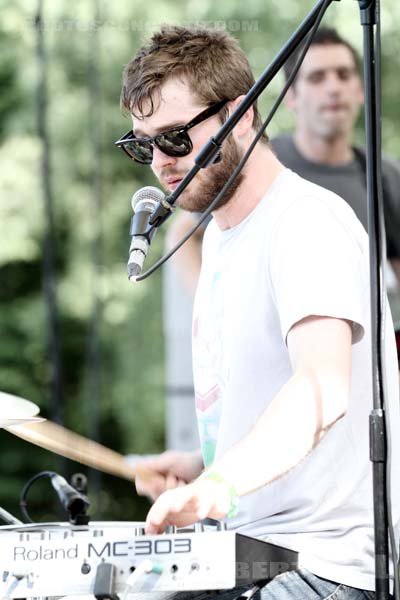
18,416
15,410
13,422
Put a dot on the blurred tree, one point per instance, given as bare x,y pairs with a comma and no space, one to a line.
10,96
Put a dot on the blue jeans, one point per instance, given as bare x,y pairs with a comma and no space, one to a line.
302,584
292,585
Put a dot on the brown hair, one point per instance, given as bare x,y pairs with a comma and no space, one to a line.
211,61
324,36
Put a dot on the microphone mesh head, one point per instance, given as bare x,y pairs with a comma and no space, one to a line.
150,193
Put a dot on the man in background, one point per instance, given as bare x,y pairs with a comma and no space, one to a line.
325,98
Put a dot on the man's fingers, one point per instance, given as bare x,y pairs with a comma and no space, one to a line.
179,507
171,482
160,475
156,485
164,510
152,487
162,463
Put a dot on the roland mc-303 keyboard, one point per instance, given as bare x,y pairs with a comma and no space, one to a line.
105,559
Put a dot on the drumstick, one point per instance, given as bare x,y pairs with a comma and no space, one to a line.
60,440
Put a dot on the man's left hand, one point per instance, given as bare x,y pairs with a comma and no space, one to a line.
186,505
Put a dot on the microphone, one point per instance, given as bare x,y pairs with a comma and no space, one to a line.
73,501
144,201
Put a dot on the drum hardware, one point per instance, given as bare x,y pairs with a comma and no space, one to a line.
80,483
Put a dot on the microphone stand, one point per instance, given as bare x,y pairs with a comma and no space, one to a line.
370,17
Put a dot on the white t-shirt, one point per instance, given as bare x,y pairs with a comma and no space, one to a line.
300,252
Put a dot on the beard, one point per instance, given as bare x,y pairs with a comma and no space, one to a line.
209,182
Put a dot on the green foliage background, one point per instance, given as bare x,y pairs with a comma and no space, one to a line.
131,399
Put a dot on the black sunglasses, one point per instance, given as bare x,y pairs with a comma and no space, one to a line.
173,142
